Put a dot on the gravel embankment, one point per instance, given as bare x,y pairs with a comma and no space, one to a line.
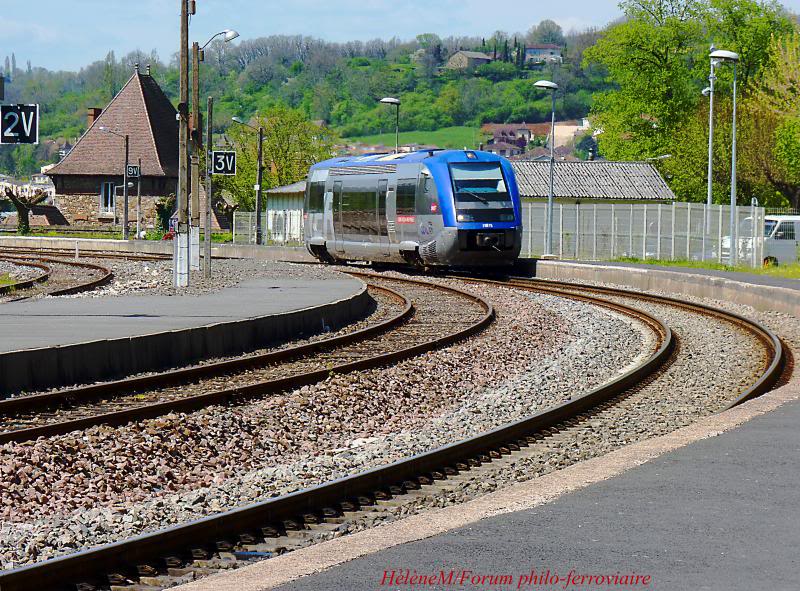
105,484
153,278
18,272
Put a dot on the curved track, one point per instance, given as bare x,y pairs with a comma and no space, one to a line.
259,531
69,287
27,283
415,329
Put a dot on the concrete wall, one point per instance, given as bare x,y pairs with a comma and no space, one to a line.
766,298
87,245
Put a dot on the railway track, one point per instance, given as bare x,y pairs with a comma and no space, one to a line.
26,283
438,317
89,254
61,277
269,528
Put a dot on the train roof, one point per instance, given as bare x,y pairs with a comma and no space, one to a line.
438,156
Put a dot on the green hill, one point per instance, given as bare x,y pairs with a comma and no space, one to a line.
448,137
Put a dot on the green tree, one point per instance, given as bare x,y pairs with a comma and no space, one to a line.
292,144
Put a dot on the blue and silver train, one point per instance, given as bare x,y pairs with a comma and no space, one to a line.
456,208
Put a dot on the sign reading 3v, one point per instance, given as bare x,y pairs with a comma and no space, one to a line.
223,163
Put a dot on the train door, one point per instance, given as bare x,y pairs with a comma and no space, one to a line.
391,215
383,233
338,227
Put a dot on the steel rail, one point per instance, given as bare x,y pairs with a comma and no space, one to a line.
178,544
776,353
89,254
106,277
28,283
37,403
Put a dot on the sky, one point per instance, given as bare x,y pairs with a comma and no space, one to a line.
69,34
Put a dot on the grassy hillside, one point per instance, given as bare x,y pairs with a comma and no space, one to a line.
447,137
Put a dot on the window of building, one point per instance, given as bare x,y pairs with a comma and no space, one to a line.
107,198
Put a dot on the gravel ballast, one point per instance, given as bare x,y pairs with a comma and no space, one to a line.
106,484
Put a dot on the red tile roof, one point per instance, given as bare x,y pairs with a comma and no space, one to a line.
141,110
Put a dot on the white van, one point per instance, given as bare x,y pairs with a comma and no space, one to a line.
781,244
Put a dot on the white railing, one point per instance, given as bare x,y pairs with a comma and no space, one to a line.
672,231
279,227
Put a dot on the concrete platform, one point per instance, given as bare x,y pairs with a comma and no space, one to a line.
49,342
761,292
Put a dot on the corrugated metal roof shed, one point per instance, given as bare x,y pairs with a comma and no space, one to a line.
600,179
298,187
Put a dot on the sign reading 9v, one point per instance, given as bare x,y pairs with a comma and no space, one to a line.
223,163
19,124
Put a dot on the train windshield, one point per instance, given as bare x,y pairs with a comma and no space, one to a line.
480,192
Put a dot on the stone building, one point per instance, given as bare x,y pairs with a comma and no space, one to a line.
89,179
465,60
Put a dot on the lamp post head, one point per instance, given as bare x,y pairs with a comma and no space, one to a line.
723,55
390,101
706,91
238,120
546,85
230,35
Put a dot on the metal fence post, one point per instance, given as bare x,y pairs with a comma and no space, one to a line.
705,231
672,253
577,230
613,231
688,231
594,232
719,236
658,233
530,229
561,230
644,234
630,233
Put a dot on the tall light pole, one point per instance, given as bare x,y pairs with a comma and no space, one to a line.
259,174
722,55
709,92
552,87
126,138
396,102
198,55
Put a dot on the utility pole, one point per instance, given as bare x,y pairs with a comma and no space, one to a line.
209,186
259,231
181,253
125,229
197,145
139,203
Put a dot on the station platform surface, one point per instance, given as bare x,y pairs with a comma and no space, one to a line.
720,513
740,276
48,341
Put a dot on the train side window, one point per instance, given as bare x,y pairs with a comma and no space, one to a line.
406,196
316,197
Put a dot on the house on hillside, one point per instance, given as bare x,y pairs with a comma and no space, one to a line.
88,180
592,181
465,60
504,149
537,54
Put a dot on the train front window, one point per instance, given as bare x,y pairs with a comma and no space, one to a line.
481,193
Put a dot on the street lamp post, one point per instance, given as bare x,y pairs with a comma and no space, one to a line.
709,92
198,56
721,55
396,102
552,87
181,243
259,174
126,138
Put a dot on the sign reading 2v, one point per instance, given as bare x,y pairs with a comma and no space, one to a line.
19,124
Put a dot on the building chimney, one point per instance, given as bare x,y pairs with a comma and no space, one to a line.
93,114
148,69
136,67
591,154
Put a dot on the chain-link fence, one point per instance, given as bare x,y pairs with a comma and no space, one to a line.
674,231
284,227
